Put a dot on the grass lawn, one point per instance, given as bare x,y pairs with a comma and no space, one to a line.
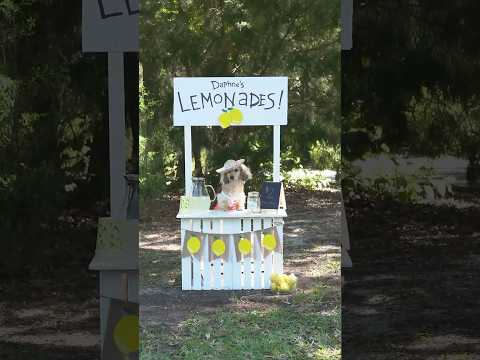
301,328
252,324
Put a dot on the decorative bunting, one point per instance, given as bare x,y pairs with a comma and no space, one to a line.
244,246
218,243
270,239
192,243
269,242
218,247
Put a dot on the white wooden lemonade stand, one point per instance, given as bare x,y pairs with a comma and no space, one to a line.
200,102
112,26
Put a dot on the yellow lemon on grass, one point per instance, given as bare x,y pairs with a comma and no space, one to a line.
224,119
274,278
125,334
291,281
283,286
218,247
269,242
193,245
244,246
236,116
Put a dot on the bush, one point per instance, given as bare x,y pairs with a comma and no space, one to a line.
325,156
306,179
393,181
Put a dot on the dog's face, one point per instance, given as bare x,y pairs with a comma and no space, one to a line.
239,174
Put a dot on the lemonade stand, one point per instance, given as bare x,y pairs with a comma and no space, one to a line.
237,249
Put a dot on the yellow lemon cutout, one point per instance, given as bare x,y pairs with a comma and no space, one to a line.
230,116
269,242
224,120
244,246
218,247
193,245
125,334
236,116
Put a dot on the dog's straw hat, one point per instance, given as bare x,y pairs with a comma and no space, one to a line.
230,165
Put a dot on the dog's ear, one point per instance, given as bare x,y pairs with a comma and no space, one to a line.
224,179
245,173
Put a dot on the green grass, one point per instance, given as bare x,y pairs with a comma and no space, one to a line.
305,329
159,268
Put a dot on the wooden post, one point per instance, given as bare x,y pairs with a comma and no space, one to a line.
124,285
188,159
276,153
116,127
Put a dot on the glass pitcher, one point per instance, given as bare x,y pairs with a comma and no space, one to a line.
200,198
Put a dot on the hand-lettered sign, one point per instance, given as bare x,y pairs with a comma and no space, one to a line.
230,101
110,26
272,195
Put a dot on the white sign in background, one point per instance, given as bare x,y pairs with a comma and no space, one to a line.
110,26
201,101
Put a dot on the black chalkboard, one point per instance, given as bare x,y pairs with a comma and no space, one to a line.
270,195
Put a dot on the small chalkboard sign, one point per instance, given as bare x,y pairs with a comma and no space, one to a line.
272,195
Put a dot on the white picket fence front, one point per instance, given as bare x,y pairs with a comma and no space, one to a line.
248,272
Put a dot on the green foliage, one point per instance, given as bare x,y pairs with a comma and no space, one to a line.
296,38
397,184
444,124
52,133
305,179
325,156
401,49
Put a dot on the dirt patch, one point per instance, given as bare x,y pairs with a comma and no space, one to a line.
414,287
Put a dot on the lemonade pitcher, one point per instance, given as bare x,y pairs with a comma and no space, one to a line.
200,199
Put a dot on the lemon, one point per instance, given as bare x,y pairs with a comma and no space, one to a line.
193,245
125,334
274,278
244,246
236,116
269,242
283,286
224,120
218,247
292,281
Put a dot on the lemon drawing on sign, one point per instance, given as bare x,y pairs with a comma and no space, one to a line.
269,242
244,246
125,334
230,116
218,247
193,245
236,116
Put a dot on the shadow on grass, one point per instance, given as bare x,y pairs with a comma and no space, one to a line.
414,285
15,351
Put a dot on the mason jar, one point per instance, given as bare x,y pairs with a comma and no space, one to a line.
253,201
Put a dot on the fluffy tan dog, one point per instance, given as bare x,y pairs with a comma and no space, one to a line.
233,176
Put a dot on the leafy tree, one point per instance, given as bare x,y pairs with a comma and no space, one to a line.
443,124
296,38
401,47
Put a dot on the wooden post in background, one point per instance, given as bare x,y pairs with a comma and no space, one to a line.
116,129
276,153
188,159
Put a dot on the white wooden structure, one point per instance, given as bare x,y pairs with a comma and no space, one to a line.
112,26
118,268
237,271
